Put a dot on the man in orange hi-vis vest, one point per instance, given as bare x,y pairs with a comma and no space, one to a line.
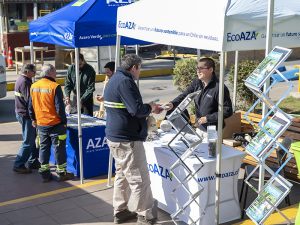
47,112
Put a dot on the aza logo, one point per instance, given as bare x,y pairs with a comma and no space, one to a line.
96,143
160,171
127,25
242,36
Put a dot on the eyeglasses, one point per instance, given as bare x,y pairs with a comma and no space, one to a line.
201,68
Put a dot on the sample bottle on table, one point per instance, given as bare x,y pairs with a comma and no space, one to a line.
212,137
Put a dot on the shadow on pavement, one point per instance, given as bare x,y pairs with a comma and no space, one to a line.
7,108
10,137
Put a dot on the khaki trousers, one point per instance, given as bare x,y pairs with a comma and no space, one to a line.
132,180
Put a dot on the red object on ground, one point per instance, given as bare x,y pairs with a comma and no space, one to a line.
10,63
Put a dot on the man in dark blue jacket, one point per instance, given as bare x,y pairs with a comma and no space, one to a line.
207,102
28,151
126,129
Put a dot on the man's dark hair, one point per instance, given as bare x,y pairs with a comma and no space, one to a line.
28,68
130,60
81,57
210,63
110,65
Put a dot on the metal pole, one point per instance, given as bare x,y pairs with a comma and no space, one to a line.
31,53
35,11
79,114
220,137
198,54
267,83
109,53
137,53
236,63
110,161
98,59
1,25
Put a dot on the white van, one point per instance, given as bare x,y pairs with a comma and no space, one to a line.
2,77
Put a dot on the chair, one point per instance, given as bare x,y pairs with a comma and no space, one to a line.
281,157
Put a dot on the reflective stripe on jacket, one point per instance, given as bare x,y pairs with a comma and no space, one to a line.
43,94
116,105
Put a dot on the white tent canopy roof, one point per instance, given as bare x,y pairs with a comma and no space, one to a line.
218,25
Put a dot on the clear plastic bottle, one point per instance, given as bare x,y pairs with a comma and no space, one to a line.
212,137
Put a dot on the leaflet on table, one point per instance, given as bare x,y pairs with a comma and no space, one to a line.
86,121
262,141
267,200
267,67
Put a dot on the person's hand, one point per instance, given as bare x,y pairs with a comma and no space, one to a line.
169,106
100,98
155,108
296,120
158,109
33,123
67,101
202,120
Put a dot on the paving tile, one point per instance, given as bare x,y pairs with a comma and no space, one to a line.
4,220
86,199
99,209
57,206
45,220
24,214
72,216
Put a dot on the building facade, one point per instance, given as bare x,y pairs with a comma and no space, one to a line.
15,18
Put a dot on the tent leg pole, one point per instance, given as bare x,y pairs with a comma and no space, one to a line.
117,61
220,137
79,114
236,63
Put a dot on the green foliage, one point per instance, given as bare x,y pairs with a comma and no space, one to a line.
245,98
184,73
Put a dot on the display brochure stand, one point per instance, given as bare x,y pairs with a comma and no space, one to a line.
271,127
187,134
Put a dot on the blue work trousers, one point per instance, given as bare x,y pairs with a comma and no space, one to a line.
54,136
28,151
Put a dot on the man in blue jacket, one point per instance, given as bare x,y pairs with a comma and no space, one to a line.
207,102
28,151
126,129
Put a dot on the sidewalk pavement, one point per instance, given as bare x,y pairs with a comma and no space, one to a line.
25,200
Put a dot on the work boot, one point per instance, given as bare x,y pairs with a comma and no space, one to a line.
143,221
22,170
64,176
34,166
46,176
124,216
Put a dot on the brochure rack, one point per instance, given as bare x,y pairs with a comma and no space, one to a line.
187,134
271,127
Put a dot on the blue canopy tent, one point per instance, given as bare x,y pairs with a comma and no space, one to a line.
82,23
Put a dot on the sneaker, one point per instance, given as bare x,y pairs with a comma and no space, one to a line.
22,170
65,176
124,216
143,221
34,166
46,176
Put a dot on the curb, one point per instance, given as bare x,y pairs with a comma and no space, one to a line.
101,77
